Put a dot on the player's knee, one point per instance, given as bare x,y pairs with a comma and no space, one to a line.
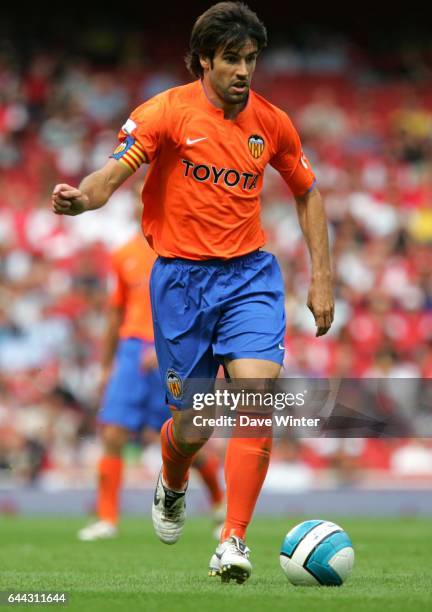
188,436
113,438
189,439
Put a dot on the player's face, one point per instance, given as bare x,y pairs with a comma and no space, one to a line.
230,73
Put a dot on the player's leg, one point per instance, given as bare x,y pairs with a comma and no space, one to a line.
207,464
114,437
180,446
109,481
247,459
177,453
250,337
168,511
179,449
183,338
121,413
157,417
246,464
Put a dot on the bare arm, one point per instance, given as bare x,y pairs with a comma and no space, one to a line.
93,192
110,339
109,342
313,222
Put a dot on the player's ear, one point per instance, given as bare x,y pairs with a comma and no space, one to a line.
205,62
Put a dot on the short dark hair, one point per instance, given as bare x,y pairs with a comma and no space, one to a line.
226,25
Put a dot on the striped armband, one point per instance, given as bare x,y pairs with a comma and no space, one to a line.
130,153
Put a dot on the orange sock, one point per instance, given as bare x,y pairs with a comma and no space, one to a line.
110,472
246,463
208,467
175,465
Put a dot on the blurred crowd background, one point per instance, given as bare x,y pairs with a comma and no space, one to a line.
365,119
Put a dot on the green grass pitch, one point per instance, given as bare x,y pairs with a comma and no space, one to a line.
137,572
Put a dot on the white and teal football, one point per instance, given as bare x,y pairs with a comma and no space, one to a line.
317,553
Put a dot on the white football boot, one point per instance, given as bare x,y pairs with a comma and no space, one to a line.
231,561
168,512
102,530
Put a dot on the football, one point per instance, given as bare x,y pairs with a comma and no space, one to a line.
317,553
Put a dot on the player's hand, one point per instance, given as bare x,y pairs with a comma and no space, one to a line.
149,360
321,304
67,200
104,375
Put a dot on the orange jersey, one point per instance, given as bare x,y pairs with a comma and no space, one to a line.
132,264
201,195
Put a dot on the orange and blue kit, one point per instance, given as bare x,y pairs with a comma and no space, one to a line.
215,294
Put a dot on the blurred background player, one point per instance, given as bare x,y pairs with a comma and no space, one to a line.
134,397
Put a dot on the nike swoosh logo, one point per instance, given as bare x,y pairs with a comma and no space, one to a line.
282,348
190,141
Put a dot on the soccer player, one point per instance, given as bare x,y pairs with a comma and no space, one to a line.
217,298
134,398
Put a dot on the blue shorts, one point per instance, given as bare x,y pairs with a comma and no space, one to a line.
207,312
134,398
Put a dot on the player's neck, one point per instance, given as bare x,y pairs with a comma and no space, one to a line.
230,110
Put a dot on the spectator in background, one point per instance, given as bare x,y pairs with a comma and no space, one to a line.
412,130
323,118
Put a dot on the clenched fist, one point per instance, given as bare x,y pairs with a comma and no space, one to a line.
67,200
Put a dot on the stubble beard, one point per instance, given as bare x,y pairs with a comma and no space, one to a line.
235,99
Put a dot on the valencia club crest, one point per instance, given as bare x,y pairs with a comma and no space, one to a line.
256,145
174,384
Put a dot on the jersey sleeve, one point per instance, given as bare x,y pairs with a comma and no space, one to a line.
290,161
141,135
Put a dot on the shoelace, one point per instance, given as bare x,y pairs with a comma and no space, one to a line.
235,548
172,508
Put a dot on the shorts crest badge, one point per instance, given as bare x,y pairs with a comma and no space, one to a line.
256,145
174,384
